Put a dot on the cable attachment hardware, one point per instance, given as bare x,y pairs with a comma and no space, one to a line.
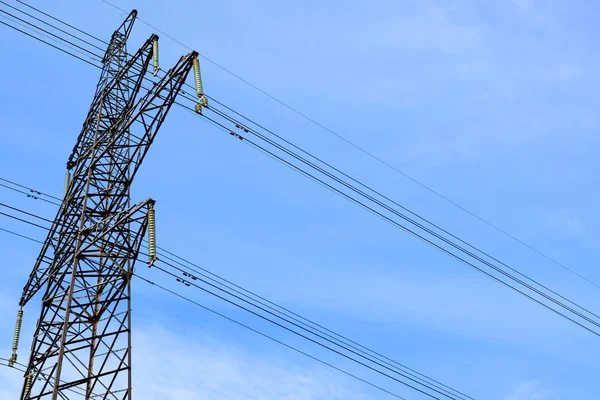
202,100
67,183
28,382
15,346
155,56
151,236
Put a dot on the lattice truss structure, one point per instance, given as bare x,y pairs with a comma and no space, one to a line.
82,342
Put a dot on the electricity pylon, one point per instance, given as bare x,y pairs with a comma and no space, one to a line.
82,342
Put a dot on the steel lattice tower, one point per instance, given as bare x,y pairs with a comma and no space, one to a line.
82,343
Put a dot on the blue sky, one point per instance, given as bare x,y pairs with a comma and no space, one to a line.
490,103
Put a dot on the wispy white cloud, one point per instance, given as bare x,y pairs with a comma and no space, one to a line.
173,366
530,390
427,28
176,367
524,5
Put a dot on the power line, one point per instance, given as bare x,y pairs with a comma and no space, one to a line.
309,330
23,220
487,263
53,26
364,364
429,231
429,242
375,157
267,336
39,31
22,236
439,237
25,212
31,195
435,245
5,363
418,377
63,22
328,165
30,189
440,228
48,43
39,357
420,226
248,328
399,214
49,35
298,318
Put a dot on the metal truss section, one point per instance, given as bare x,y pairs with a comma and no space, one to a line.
82,336
82,343
103,120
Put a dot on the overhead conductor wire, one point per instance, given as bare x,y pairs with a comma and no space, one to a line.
249,328
56,198
389,209
369,154
438,236
416,377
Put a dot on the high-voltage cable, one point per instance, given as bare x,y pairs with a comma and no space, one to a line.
193,280
377,158
53,26
399,369
424,239
486,262
429,231
296,317
335,134
268,337
21,367
378,202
